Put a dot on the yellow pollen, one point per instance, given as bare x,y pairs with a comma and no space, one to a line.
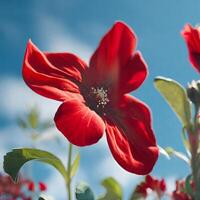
101,96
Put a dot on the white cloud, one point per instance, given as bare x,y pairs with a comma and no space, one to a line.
109,167
171,182
18,98
55,37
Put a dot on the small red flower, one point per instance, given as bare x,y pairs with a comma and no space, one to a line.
31,186
142,190
155,185
192,39
179,193
42,186
95,98
13,191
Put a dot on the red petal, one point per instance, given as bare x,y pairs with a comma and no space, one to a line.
130,136
80,125
134,74
192,39
113,53
68,63
150,181
47,75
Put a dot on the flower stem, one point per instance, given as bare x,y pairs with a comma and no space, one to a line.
68,184
194,144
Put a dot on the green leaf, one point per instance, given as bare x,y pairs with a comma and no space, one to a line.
22,123
83,192
188,187
33,118
137,196
74,166
176,97
185,141
172,152
163,152
113,189
15,159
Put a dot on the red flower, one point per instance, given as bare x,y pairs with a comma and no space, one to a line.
192,39
95,98
141,189
158,186
42,186
179,193
31,186
13,191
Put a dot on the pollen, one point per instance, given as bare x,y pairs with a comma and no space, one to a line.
101,96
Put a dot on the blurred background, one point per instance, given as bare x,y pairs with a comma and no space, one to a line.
77,26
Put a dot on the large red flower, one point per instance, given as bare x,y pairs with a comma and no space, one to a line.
95,98
192,39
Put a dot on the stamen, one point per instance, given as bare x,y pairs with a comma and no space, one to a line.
101,96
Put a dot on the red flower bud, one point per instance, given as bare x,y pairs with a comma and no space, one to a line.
42,186
31,186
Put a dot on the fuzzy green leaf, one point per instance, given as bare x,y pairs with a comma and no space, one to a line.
14,160
83,192
113,189
176,97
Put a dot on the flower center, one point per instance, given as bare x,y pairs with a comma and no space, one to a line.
100,96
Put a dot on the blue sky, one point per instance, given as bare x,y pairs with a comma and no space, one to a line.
77,26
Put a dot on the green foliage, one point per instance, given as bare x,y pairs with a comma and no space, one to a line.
83,192
185,141
33,118
74,166
15,159
188,187
176,97
113,189
137,196
172,152
32,121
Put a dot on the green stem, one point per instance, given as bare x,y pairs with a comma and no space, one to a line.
194,143
68,184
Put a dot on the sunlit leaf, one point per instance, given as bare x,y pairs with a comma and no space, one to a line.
185,142
163,152
15,159
176,97
33,118
74,166
113,189
83,192
172,152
